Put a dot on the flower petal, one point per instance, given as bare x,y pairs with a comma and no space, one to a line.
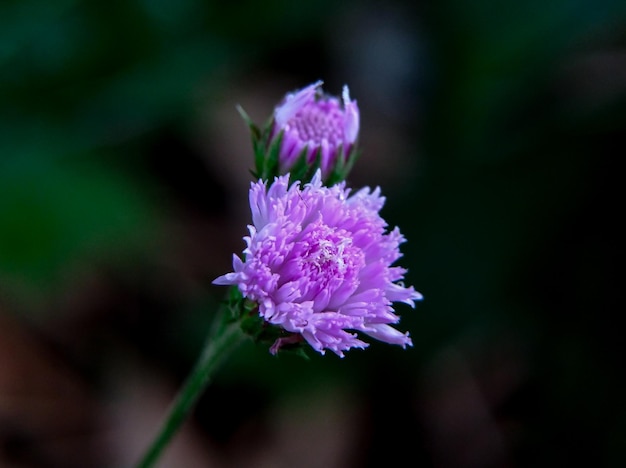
294,102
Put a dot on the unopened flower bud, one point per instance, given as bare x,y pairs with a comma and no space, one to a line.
316,127
308,131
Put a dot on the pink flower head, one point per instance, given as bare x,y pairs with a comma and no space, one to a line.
312,122
318,263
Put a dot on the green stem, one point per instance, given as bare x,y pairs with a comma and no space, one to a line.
221,343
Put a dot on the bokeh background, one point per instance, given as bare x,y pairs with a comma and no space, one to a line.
496,131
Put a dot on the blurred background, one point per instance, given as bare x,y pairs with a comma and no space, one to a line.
495,129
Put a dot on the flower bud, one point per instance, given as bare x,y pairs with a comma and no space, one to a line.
308,131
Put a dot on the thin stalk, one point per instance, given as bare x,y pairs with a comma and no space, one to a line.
221,343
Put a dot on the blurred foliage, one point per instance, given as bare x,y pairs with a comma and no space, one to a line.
81,84
51,215
510,194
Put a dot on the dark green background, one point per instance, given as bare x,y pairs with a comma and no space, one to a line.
495,129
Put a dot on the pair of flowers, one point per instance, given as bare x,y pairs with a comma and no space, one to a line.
318,263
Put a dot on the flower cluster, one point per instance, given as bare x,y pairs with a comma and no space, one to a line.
318,264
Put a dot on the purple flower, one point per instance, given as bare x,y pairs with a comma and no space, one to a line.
312,122
318,264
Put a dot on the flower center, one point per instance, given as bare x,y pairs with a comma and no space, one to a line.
319,120
323,259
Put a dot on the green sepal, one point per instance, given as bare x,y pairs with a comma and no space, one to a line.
269,168
301,349
304,171
259,158
257,137
261,148
268,334
300,168
317,163
246,313
343,165
355,154
266,149
254,130
252,324
234,304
